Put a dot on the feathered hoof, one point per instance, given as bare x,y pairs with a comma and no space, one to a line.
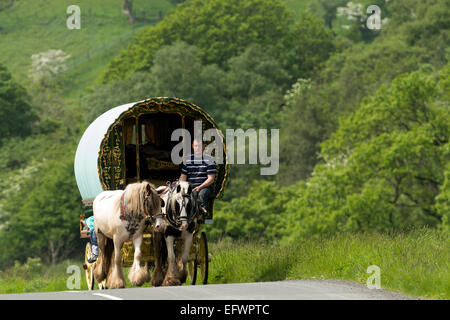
115,283
171,281
139,277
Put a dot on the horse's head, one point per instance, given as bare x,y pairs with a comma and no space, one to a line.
153,205
181,208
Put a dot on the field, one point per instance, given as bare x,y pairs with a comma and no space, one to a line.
414,263
31,27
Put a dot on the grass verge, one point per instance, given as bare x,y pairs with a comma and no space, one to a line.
415,263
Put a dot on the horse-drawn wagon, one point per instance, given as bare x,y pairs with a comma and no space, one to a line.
132,143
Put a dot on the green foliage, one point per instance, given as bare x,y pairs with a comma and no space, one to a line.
255,84
42,216
384,168
104,97
261,215
306,119
384,165
222,30
177,72
443,200
35,276
14,106
356,71
309,46
247,95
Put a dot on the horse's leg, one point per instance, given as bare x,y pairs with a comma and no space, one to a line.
138,275
171,279
158,274
101,266
116,279
187,242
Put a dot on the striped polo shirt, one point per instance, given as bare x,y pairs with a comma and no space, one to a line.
197,170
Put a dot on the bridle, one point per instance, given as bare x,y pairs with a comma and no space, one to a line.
172,218
148,206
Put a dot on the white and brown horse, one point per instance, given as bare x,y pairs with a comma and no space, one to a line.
120,216
180,212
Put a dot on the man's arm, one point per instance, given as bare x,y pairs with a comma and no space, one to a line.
183,177
205,184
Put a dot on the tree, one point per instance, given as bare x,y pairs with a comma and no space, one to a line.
307,119
255,83
307,47
177,72
260,215
15,107
42,217
352,73
330,7
127,9
384,167
219,29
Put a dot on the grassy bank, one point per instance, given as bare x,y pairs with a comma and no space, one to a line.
414,263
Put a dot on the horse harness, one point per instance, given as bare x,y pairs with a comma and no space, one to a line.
127,217
175,221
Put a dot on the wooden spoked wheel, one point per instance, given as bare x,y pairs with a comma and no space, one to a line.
203,258
89,267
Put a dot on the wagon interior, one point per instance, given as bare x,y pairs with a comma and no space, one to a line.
148,147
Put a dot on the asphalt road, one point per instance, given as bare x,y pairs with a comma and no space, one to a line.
279,290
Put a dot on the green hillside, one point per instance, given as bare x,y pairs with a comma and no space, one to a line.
363,114
31,27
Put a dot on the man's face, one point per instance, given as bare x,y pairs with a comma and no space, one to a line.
198,147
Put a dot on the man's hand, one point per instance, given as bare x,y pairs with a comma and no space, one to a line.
197,189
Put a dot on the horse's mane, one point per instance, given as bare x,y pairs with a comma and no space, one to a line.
134,198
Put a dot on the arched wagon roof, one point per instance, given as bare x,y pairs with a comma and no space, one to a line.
91,167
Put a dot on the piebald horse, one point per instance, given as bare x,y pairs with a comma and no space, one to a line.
120,216
180,212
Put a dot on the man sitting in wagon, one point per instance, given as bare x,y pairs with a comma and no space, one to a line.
200,170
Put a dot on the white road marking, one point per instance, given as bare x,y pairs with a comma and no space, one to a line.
107,296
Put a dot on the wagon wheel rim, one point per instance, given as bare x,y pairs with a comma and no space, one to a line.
89,267
203,258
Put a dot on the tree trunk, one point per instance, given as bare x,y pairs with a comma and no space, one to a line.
54,248
127,9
